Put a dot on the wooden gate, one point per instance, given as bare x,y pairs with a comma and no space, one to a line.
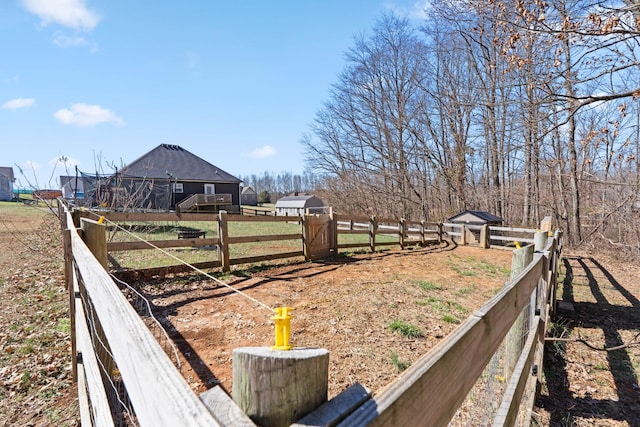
318,237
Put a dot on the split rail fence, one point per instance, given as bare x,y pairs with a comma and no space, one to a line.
126,377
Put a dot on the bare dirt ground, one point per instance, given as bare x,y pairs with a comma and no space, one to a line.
346,305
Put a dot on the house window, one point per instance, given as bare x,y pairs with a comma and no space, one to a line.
209,189
177,187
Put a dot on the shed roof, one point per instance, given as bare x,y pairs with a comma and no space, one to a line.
173,161
298,202
248,190
476,217
8,172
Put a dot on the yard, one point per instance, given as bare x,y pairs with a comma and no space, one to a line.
375,313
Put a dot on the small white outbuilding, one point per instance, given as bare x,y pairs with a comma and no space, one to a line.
298,205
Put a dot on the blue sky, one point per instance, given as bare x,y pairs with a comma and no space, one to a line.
101,82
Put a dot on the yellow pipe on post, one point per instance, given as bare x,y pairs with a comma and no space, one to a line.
283,328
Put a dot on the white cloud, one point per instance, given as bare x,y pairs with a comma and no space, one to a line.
84,115
416,11
61,40
262,152
68,13
17,103
31,165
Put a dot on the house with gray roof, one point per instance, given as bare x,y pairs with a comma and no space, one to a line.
170,177
6,183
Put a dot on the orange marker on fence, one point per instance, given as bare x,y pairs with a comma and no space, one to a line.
283,328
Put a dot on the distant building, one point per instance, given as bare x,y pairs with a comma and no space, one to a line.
6,183
298,205
167,176
249,197
473,217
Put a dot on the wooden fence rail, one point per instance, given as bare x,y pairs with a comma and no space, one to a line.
114,352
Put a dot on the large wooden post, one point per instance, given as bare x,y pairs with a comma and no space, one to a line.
276,388
484,236
94,235
223,235
402,231
373,228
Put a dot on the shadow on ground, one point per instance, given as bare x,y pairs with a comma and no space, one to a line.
587,280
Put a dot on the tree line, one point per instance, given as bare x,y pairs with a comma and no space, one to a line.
524,108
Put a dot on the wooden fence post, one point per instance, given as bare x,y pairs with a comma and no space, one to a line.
306,236
540,240
440,232
334,231
516,336
94,235
402,230
68,277
373,228
423,241
484,236
223,235
276,388
463,235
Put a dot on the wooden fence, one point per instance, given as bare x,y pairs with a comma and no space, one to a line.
126,378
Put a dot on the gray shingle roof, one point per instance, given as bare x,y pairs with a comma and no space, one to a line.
168,159
483,216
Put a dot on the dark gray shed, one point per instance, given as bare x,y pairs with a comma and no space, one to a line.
473,217
6,183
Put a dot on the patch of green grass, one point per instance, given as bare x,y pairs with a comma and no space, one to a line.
471,267
400,365
600,366
63,325
429,286
450,319
405,329
464,291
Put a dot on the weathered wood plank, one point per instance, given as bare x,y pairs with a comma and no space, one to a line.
91,371
159,394
452,367
348,231
347,218
265,238
224,409
157,216
332,412
139,244
244,218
